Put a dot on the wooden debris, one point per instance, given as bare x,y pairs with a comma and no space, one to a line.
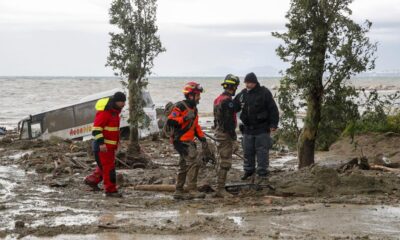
383,168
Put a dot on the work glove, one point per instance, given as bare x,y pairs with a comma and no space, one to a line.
207,155
190,116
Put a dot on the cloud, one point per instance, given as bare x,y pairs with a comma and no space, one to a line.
70,37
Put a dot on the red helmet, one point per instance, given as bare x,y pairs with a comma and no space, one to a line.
192,87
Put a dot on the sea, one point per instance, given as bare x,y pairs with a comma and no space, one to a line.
24,96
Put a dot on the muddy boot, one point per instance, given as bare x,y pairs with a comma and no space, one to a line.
262,179
221,192
247,175
93,187
179,194
196,194
113,195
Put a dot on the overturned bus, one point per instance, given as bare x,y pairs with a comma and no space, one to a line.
75,121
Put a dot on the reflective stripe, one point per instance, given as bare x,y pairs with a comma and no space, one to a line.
100,135
111,129
110,142
97,129
230,81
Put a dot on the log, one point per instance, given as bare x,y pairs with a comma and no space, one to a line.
383,168
155,188
167,188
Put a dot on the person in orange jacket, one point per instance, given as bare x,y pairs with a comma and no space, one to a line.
106,134
184,120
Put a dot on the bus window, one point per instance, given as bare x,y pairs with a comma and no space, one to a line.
25,130
59,120
36,130
84,113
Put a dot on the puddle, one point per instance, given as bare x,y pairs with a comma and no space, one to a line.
293,221
121,236
10,176
336,220
282,162
237,220
67,220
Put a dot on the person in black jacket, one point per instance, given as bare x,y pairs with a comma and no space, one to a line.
260,117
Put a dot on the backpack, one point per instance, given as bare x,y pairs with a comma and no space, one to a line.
169,131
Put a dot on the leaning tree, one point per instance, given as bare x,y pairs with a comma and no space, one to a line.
324,48
133,48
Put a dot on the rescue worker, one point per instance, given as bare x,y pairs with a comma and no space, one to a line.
225,123
260,117
184,120
106,134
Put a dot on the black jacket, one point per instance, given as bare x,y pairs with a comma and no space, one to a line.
259,112
225,115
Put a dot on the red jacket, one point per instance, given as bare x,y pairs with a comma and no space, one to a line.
106,124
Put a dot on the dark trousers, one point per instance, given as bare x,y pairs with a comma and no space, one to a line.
256,147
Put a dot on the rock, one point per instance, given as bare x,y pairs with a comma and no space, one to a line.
19,224
2,207
58,184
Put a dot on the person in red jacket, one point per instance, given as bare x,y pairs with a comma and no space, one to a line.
106,134
185,121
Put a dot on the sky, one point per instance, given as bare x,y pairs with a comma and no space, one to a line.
202,37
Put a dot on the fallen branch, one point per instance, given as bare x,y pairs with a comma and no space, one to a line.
383,168
154,188
83,165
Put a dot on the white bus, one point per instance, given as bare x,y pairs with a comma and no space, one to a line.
75,121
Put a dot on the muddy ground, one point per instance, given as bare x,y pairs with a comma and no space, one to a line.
42,196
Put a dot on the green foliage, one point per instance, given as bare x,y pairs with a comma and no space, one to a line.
379,114
325,48
133,49
338,109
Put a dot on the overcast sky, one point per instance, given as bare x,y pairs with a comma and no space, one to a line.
202,37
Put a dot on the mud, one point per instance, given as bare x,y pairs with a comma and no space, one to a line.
42,197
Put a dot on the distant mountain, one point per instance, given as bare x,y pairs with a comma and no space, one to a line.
383,73
266,71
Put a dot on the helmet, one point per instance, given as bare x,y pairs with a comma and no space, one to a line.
230,80
192,88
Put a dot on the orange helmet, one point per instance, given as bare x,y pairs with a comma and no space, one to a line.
192,88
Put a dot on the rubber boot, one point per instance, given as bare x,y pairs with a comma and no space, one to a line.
221,179
113,195
93,186
192,182
179,194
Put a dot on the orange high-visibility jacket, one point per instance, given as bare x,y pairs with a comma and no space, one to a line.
106,124
177,117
